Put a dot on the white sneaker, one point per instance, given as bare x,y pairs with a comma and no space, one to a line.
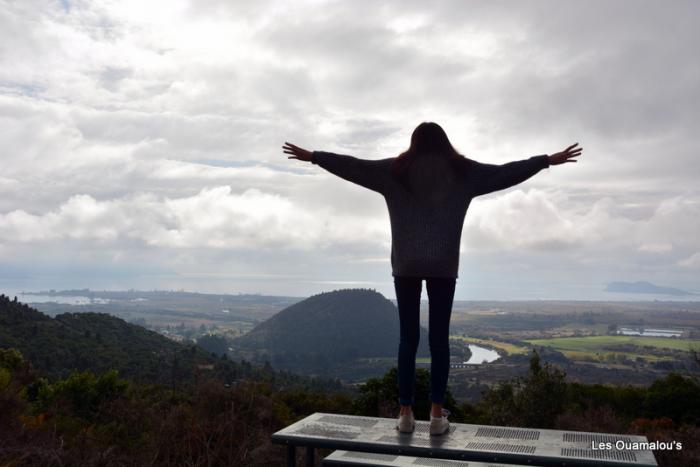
439,425
406,423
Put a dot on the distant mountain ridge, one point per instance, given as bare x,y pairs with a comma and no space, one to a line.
99,342
329,328
644,287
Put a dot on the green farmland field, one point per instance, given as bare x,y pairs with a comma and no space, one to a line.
595,343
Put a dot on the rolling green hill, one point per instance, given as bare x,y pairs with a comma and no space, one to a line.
99,342
329,329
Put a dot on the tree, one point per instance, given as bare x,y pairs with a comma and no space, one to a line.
10,359
695,355
534,400
676,397
379,397
214,344
81,393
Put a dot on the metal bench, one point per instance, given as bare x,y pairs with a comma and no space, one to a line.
464,442
366,459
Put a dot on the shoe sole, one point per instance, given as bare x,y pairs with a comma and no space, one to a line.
413,428
447,429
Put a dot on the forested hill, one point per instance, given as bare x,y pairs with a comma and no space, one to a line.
329,328
99,342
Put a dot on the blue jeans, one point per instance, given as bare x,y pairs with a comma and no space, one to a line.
441,292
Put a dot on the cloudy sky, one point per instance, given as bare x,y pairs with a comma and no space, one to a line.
140,141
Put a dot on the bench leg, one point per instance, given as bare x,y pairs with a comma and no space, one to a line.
291,456
310,453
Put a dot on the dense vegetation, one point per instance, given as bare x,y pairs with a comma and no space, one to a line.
99,342
328,329
89,419
96,341
103,418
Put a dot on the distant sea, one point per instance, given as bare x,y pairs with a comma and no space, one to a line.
38,298
587,295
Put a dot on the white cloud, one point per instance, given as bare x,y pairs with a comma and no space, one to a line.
655,247
130,126
691,262
518,220
215,217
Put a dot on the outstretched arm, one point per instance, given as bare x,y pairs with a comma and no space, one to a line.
489,178
370,174
297,152
567,155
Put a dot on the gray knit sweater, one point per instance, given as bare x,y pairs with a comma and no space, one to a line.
427,219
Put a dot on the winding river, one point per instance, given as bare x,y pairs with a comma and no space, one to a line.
481,355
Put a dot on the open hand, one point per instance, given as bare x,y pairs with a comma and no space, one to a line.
567,155
298,153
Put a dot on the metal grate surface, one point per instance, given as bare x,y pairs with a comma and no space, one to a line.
424,429
439,463
498,432
464,442
325,431
502,447
588,438
351,421
608,454
418,440
370,456
357,459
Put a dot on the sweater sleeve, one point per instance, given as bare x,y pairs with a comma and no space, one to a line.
372,174
488,178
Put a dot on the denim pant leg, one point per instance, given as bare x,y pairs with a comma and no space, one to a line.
441,292
408,291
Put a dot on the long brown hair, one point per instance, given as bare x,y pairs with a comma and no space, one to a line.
428,139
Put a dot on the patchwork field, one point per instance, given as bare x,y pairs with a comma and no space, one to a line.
619,348
593,343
